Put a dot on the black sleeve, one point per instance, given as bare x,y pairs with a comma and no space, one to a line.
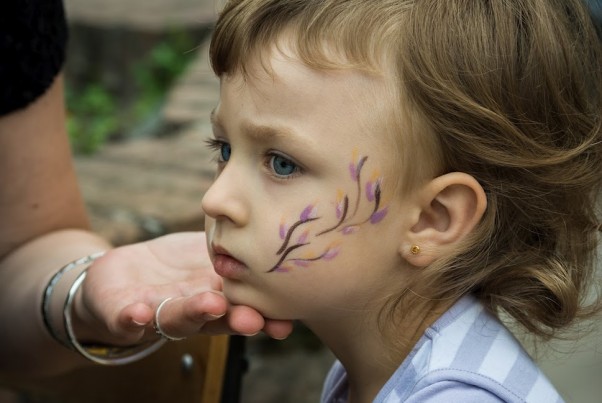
33,39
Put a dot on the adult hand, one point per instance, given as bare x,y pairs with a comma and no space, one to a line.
123,289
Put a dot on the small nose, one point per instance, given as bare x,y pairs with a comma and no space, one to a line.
225,197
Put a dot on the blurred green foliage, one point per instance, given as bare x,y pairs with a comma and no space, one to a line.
155,74
92,118
95,115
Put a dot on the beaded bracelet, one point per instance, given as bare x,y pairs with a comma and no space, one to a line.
104,355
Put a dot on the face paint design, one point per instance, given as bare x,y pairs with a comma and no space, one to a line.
297,236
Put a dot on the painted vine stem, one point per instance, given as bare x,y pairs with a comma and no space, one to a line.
346,223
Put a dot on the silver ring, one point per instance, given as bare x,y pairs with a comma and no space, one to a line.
157,326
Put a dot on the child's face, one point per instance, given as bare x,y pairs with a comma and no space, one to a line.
302,220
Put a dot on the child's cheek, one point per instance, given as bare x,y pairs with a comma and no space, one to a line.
316,232
295,233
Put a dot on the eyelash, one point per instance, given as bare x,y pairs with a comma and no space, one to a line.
217,145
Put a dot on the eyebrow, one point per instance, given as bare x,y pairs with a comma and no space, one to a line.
262,133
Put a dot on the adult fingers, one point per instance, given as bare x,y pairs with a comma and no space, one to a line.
127,327
278,329
185,316
241,320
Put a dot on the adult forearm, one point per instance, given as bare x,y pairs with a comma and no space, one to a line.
24,274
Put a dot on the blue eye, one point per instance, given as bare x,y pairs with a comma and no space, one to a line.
225,151
283,166
221,147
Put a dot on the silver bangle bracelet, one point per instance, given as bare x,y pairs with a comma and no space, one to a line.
48,295
104,355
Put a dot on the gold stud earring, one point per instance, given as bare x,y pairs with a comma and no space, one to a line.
415,249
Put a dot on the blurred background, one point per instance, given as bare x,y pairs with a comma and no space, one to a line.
139,93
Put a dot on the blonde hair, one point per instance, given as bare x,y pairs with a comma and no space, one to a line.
506,91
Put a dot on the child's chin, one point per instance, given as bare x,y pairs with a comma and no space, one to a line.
238,293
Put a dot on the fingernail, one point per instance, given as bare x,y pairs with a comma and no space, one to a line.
138,323
209,316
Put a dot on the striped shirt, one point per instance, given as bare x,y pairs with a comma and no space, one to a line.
467,355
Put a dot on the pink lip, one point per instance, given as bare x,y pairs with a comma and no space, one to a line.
227,266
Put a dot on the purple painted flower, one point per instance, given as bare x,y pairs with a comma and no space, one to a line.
309,212
331,253
353,171
282,269
340,203
339,210
355,167
373,186
350,229
377,216
303,237
283,230
301,263
370,190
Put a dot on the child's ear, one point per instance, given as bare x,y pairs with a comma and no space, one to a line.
448,209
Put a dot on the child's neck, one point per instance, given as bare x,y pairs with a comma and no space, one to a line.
369,355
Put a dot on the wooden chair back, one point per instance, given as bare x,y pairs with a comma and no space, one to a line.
187,371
